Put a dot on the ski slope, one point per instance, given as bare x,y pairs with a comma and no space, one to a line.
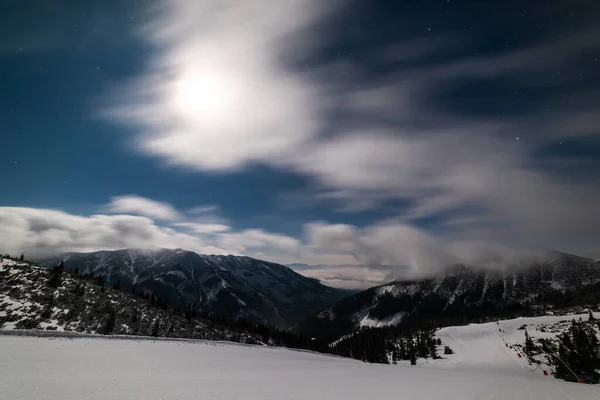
495,346
99,368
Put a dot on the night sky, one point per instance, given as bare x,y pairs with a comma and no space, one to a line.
352,135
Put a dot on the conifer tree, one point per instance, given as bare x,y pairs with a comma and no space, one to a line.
529,345
578,353
155,329
413,358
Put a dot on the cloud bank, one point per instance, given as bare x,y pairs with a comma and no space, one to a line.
340,255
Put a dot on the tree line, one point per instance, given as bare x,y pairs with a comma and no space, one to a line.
578,353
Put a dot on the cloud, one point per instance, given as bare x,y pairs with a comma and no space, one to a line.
337,254
45,232
259,239
221,95
412,251
349,276
218,95
142,206
202,210
203,228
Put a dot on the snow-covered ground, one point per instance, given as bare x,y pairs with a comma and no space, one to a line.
100,368
495,346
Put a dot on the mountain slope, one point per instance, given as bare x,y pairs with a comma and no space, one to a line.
463,294
230,286
33,297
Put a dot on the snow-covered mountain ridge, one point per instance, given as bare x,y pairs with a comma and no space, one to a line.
464,294
231,286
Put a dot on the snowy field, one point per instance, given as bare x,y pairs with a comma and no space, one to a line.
484,346
98,368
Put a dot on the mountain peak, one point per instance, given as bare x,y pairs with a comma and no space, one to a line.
228,285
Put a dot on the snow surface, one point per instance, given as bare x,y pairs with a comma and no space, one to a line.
484,346
100,368
371,322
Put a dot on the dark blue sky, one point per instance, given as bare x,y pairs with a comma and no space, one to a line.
354,131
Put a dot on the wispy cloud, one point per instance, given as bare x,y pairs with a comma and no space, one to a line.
220,95
131,204
350,276
202,210
411,250
203,228
45,231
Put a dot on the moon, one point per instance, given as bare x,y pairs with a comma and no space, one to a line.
204,96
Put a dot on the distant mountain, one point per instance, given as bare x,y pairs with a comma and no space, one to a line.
230,286
463,294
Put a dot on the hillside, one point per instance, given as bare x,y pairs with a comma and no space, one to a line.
501,346
33,297
463,294
230,286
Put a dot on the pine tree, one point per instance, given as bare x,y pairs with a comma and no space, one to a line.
54,280
134,315
529,345
591,316
155,329
108,325
433,349
580,351
413,358
22,258
99,280
59,268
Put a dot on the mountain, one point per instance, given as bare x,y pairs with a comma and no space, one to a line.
230,286
463,294
32,297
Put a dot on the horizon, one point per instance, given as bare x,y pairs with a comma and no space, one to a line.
347,277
